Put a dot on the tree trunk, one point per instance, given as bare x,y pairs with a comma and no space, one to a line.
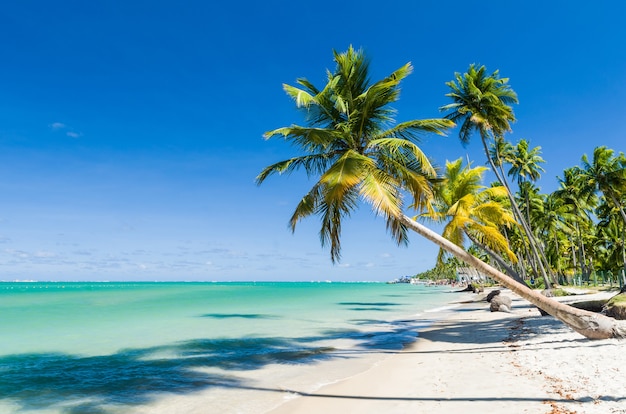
589,324
557,255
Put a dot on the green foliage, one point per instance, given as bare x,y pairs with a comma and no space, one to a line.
437,273
560,293
348,147
352,150
470,209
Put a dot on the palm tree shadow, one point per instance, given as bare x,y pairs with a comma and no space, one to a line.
88,384
92,384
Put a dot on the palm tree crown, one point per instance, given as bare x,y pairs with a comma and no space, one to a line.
607,173
481,102
525,162
469,208
352,148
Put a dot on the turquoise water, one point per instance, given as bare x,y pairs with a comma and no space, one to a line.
117,347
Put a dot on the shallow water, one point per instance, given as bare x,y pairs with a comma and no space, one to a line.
149,347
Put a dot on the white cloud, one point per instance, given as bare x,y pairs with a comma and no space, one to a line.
58,126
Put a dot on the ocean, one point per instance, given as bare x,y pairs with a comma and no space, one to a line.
109,347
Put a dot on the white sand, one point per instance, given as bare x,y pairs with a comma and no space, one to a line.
482,362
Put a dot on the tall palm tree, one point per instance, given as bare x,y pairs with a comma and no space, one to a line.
481,102
526,169
354,157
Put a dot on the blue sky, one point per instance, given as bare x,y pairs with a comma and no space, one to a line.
131,131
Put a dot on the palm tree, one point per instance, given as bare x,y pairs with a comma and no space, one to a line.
353,157
482,102
525,162
553,224
526,169
473,211
610,237
582,202
606,173
349,145
500,151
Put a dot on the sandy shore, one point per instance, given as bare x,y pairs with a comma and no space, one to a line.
480,362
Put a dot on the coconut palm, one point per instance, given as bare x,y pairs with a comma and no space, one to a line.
610,236
473,211
500,151
552,222
606,173
582,200
526,169
348,143
481,103
353,157
525,162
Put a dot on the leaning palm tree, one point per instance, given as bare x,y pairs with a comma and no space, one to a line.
481,103
353,156
350,145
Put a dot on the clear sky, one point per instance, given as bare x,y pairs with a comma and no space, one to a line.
131,131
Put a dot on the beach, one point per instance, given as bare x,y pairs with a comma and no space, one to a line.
476,361
294,348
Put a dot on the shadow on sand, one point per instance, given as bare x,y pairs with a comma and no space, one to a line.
91,384
79,384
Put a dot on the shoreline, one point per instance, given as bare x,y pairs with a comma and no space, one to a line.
477,361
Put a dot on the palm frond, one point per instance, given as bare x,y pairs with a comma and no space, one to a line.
314,164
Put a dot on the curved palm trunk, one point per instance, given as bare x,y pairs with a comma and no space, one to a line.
588,324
